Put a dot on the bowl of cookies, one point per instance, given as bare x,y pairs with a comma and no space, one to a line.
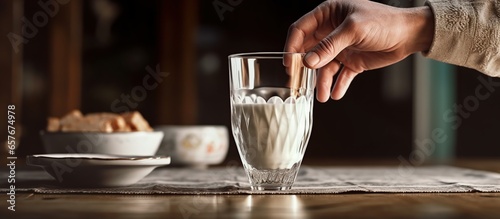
126,134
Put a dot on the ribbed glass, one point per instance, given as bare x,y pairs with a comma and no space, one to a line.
271,116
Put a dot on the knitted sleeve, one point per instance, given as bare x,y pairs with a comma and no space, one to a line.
467,33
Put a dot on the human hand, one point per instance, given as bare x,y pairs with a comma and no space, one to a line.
360,35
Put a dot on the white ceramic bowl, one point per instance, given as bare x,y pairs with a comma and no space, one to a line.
118,143
197,146
95,170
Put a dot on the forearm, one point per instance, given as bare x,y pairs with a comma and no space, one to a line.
467,33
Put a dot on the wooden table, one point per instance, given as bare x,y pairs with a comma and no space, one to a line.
358,205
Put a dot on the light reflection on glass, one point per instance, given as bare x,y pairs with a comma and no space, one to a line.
288,206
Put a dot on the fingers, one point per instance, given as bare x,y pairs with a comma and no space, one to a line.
328,48
325,79
294,42
301,29
300,32
343,81
318,30
295,39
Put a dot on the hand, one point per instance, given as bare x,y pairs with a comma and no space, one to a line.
360,35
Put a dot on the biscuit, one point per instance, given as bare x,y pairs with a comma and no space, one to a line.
136,121
74,121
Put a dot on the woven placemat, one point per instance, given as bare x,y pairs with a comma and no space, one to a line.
310,180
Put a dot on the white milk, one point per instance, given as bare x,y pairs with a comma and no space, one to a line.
272,135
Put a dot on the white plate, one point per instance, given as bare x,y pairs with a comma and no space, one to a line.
97,170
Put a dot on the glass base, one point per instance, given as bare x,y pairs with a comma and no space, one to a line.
273,180
270,188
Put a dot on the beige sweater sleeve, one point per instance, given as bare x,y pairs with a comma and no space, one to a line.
467,33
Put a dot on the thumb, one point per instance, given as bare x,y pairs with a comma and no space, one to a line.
328,48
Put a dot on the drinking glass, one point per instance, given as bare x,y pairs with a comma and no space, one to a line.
271,97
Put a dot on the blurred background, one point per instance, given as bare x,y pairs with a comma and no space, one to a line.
94,55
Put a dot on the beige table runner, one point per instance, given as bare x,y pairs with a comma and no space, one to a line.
311,180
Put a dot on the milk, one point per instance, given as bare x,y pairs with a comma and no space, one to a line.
272,135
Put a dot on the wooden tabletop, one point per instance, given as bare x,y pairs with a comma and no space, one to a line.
357,205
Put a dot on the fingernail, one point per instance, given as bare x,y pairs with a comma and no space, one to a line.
312,59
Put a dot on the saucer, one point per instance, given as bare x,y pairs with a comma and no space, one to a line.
97,170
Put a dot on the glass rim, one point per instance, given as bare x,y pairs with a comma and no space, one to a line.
263,54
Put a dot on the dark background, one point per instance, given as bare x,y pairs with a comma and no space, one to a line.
364,124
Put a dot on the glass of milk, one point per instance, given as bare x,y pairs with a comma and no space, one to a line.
271,97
